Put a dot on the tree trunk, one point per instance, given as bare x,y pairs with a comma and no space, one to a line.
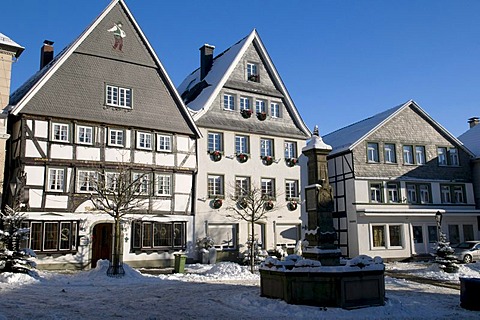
252,248
116,267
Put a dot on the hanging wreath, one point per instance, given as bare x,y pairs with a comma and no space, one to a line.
267,160
216,155
242,157
246,113
292,205
269,205
217,203
261,116
291,162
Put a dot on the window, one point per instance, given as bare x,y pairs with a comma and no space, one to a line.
389,153
149,235
408,155
291,189
56,179
387,236
453,157
290,150
393,193
144,140
164,143
215,141
53,235
268,188
143,180
372,152
417,234
224,235
468,234
266,147
228,102
112,181
252,72
442,156
119,97
260,106
274,110
60,132
242,186
420,154
84,135
116,138
244,103
454,233
452,193
164,184
432,234
418,193
215,186
241,144
376,192
86,181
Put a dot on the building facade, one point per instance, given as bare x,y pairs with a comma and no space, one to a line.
102,105
391,173
252,136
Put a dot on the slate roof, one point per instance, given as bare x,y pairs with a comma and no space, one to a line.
345,139
218,77
9,45
471,139
72,85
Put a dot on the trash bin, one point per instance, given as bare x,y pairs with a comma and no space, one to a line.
469,293
180,260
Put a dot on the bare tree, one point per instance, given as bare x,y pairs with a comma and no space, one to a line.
252,205
118,194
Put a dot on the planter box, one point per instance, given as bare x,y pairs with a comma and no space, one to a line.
351,289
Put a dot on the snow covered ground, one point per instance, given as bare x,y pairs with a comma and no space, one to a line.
221,291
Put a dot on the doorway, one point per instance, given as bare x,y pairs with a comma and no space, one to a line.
101,243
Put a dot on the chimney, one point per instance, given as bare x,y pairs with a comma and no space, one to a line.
473,121
206,59
46,53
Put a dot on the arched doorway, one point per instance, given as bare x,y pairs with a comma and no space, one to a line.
101,242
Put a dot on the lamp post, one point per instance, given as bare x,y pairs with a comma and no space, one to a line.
438,219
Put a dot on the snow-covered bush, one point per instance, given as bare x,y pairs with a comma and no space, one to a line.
12,257
445,258
205,243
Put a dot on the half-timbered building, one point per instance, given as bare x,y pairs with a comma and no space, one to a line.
105,102
392,174
252,135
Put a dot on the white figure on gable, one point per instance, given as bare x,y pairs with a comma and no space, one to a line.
118,35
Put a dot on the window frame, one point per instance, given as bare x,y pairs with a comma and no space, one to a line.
450,191
165,189
242,186
390,152
79,129
260,106
142,142
275,110
141,229
228,102
268,188
266,147
373,155
387,240
37,242
60,187
90,176
63,133
290,148
419,192
408,155
145,182
215,186
242,144
245,103
212,141
396,192
291,189
116,132
252,72
164,142
376,192
116,100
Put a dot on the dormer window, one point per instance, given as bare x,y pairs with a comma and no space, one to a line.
252,72
118,97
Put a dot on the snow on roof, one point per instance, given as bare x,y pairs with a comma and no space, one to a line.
4,40
471,139
220,65
343,139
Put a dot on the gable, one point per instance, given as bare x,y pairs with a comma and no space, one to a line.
74,87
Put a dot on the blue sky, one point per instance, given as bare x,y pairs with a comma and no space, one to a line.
341,61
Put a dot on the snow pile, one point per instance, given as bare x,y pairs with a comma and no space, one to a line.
17,278
431,270
99,274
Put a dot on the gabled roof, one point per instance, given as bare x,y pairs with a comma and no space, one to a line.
8,44
222,68
21,97
349,137
471,139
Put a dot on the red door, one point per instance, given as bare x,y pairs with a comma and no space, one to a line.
101,243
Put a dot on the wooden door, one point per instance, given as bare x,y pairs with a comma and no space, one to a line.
101,242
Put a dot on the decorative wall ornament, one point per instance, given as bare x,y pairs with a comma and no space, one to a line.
267,160
216,155
118,35
291,162
246,113
261,116
242,157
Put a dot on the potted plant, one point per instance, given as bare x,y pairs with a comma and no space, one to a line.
291,161
242,157
267,160
269,205
217,203
253,77
246,113
206,250
216,155
261,116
